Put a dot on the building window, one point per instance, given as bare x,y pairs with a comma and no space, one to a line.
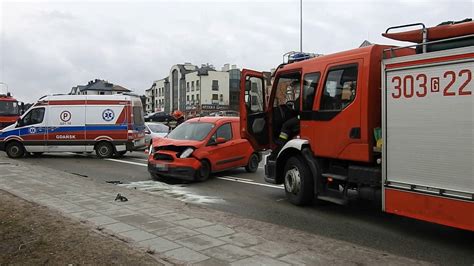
215,97
215,85
101,93
197,85
192,98
187,86
221,99
187,98
192,85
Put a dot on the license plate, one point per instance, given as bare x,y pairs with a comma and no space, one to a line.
160,166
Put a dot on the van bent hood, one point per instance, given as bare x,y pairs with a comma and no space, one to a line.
163,142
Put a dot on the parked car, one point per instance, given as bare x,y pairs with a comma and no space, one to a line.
225,113
199,147
158,117
155,130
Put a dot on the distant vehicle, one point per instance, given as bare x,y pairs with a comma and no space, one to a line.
158,117
109,124
155,130
199,147
225,113
9,110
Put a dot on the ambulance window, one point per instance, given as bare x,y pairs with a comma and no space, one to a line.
310,84
138,116
33,117
340,88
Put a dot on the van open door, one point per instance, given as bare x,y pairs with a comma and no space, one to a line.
253,116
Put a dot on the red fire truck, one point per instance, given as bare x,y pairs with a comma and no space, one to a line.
379,122
9,110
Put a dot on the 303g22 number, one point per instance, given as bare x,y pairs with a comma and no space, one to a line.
405,86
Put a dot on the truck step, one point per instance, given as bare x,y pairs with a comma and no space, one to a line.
333,200
335,176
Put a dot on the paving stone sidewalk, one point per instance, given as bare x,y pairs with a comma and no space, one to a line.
178,232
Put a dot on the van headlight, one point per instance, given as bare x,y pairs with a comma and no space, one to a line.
151,150
186,153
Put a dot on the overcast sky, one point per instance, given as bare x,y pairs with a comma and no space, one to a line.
48,47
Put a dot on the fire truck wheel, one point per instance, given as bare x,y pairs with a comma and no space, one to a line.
298,182
204,171
104,149
252,165
15,150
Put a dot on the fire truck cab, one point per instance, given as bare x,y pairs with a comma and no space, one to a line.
345,102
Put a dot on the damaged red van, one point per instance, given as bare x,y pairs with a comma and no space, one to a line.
199,147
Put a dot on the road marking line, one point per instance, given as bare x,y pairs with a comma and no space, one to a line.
122,161
227,178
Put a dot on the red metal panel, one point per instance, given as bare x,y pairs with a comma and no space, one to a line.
445,211
431,60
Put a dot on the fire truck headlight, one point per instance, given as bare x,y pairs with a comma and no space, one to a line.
186,153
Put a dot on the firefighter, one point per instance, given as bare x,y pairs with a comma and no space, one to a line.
290,127
178,116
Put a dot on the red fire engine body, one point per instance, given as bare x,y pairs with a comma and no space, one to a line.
379,122
9,110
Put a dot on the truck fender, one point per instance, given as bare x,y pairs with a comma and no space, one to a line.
295,144
302,145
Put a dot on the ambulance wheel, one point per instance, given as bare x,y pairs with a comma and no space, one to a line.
119,154
252,165
203,173
15,150
104,149
298,182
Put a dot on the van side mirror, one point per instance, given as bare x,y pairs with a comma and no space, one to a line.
19,122
22,108
147,131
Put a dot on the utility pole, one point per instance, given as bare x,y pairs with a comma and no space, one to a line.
301,25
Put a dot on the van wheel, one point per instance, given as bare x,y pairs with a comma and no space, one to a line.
298,182
15,150
104,150
204,171
119,154
252,165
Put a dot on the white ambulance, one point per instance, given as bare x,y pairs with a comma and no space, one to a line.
110,125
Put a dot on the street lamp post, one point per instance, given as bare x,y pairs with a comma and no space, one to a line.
301,25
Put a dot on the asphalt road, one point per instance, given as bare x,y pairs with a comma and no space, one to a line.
247,195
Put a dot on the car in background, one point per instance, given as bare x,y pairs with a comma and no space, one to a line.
155,130
158,117
225,113
199,147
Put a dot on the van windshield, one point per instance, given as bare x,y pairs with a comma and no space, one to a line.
191,131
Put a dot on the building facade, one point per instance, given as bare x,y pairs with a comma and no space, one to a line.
194,90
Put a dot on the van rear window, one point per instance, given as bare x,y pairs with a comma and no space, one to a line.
138,116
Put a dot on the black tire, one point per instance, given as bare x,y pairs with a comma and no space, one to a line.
204,171
104,149
252,165
120,154
156,177
15,150
298,181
